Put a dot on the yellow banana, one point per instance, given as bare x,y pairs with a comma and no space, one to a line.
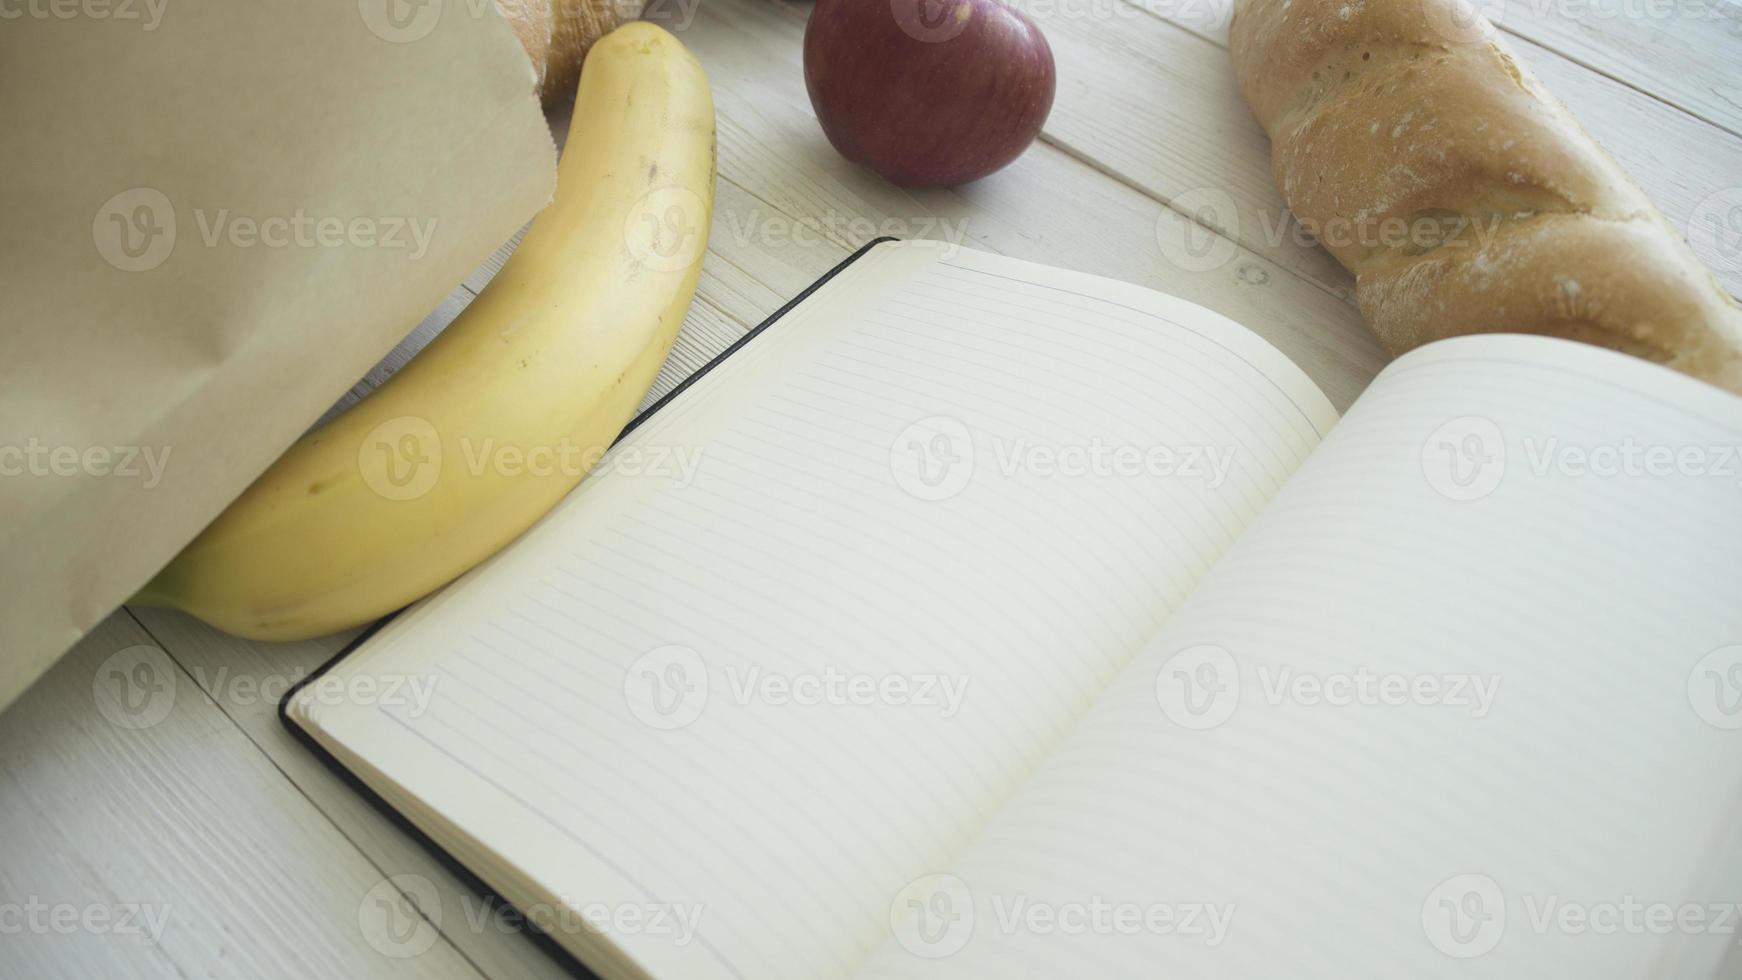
498,418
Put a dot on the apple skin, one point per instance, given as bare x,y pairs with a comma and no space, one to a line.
927,93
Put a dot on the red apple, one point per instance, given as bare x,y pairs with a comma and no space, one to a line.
927,93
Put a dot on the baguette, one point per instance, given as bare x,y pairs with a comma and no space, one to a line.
532,24
1387,115
577,25
557,34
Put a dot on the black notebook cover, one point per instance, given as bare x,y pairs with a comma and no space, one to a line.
491,900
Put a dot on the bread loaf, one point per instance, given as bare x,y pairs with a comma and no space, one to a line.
1463,196
578,24
557,34
531,20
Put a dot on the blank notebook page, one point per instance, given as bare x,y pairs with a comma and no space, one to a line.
1464,694
816,620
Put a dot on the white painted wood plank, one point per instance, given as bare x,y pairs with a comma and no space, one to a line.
130,800
245,679
1049,207
1687,53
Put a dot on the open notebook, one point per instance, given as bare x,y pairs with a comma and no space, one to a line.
980,619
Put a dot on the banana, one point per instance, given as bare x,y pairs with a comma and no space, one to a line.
501,415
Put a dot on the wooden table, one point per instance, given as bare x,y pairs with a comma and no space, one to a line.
155,821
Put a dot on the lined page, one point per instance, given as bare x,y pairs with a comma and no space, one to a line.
825,612
1466,701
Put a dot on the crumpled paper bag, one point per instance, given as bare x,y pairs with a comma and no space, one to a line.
217,215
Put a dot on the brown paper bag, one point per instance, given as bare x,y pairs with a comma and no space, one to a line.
216,216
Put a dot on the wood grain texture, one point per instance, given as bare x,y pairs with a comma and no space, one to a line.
233,673
132,800
1685,53
1049,206
263,856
